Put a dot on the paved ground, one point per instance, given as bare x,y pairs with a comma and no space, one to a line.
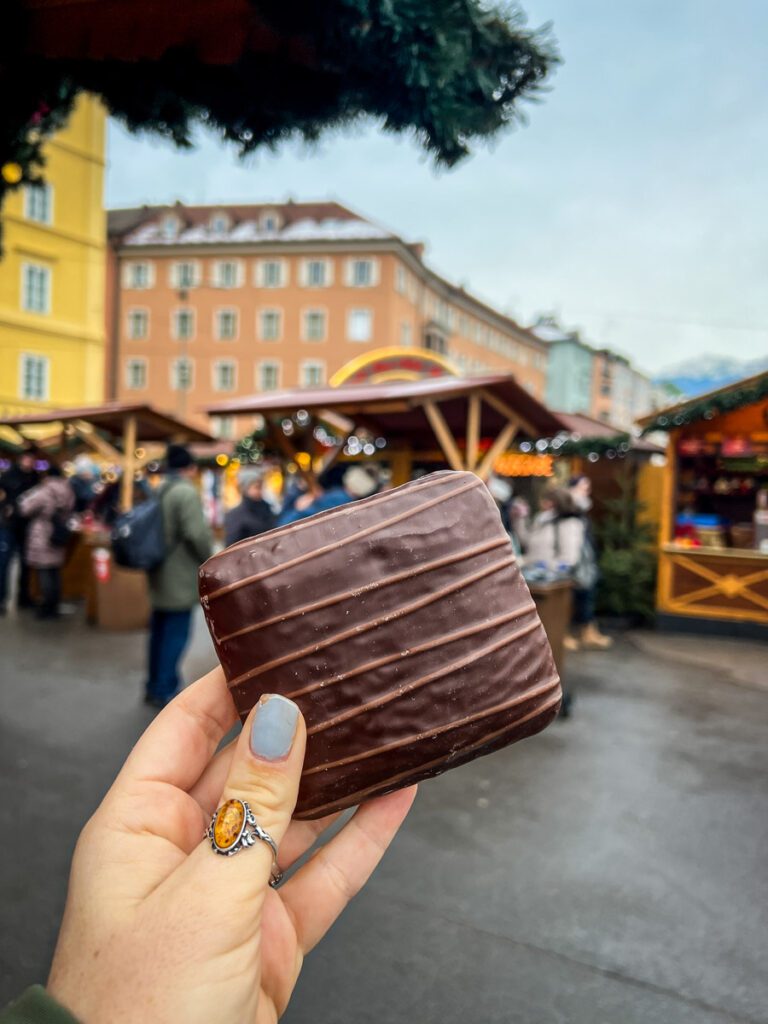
610,871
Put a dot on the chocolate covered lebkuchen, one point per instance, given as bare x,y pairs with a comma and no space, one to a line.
400,625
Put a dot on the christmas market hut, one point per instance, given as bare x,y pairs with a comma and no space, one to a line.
127,440
713,555
432,423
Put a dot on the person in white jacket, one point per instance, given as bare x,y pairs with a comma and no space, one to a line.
558,537
555,536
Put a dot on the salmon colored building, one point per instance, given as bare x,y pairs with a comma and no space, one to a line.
208,302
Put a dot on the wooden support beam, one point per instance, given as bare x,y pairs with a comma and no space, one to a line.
473,429
128,463
443,435
92,438
401,465
508,411
499,445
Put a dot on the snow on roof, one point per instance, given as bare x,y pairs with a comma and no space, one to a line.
305,230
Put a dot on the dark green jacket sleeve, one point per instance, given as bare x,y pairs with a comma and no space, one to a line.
35,1006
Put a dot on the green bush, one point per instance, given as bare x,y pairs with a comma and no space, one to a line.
628,559
627,583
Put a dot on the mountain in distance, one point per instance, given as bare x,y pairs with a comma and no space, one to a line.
707,373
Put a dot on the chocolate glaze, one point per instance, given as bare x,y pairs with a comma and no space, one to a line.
401,626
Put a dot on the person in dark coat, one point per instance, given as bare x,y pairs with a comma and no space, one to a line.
14,482
253,515
50,498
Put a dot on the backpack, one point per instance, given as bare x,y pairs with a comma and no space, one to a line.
138,536
585,572
60,530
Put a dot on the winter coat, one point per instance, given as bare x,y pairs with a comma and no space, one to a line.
173,584
333,498
39,506
13,483
247,519
553,539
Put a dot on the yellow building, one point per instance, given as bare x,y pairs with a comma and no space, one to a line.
52,275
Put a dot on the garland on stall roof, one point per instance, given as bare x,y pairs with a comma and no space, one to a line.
708,408
448,71
575,446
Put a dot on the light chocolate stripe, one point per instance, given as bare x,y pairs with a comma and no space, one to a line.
458,723
444,670
361,794
448,638
344,595
334,545
365,627
302,524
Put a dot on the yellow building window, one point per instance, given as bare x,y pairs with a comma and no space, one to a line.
38,203
36,288
34,377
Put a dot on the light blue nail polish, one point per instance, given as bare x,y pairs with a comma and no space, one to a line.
274,727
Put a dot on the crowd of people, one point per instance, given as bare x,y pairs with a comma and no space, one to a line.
36,503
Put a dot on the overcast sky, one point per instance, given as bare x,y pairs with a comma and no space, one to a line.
634,205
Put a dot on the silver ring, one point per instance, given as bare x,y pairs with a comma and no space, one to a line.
233,828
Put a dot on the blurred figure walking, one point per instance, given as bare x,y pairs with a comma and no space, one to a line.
585,585
253,515
20,478
173,584
47,506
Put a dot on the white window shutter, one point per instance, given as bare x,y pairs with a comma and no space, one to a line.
374,272
349,272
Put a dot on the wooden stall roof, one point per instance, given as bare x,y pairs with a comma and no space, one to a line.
151,424
396,409
588,428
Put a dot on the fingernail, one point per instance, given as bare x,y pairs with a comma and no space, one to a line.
274,726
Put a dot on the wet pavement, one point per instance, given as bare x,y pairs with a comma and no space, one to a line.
611,871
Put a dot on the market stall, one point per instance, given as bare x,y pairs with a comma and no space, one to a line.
713,559
411,426
127,438
464,424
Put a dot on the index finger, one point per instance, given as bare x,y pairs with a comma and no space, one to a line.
178,745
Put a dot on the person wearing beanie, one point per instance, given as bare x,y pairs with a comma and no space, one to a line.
253,515
173,584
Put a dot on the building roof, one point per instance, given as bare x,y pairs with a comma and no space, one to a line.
395,409
297,222
151,423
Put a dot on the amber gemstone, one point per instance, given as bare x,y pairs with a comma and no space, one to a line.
228,824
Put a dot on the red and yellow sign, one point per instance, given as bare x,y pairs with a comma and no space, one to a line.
386,364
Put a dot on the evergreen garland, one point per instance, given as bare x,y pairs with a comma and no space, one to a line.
575,446
449,71
707,408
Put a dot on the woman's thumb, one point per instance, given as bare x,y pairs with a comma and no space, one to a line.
264,781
